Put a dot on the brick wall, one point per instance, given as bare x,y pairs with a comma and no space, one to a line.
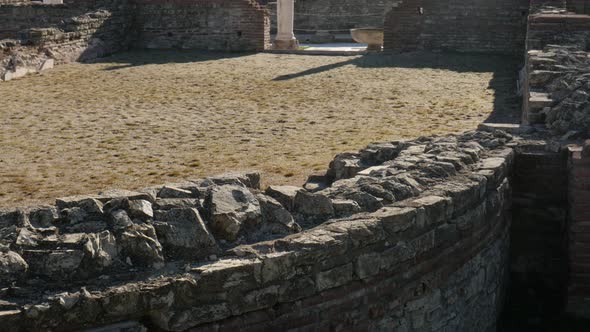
313,15
538,246
458,25
222,25
579,231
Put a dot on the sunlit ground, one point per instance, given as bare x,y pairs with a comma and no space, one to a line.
145,118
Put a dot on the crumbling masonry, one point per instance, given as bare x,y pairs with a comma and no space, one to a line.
435,233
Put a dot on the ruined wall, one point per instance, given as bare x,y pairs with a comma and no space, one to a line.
555,92
44,35
408,235
221,25
458,25
17,17
79,38
2,2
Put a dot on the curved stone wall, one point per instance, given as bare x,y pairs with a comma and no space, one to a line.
409,235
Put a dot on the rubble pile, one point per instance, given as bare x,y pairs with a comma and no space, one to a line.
562,77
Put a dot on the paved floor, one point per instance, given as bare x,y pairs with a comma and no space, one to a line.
335,47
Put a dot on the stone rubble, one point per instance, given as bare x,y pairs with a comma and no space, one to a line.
560,83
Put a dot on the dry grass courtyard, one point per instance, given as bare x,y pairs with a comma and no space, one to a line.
137,119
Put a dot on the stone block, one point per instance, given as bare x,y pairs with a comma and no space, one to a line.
436,208
55,264
313,205
284,195
231,208
367,265
335,277
183,234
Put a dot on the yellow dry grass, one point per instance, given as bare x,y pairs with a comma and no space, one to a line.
138,119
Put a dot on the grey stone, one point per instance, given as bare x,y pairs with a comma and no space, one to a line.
183,233
250,179
174,192
335,277
107,195
367,265
43,216
10,217
89,204
101,249
284,195
140,244
345,207
344,166
173,203
74,214
140,209
313,205
12,265
120,220
127,326
274,212
184,319
55,264
27,238
230,209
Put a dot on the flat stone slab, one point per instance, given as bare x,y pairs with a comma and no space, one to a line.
326,49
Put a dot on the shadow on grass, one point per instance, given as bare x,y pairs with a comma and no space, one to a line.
506,103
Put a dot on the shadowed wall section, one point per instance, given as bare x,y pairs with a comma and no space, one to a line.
457,25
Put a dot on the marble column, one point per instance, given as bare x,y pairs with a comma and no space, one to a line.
285,39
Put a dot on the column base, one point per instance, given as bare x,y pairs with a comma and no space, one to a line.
291,44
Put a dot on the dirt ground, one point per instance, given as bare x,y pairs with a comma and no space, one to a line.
143,118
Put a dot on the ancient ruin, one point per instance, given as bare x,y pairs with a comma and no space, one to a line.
483,230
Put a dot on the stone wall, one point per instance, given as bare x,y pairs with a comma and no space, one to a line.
457,25
18,17
44,35
555,91
409,235
80,38
221,25
3,2
578,302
